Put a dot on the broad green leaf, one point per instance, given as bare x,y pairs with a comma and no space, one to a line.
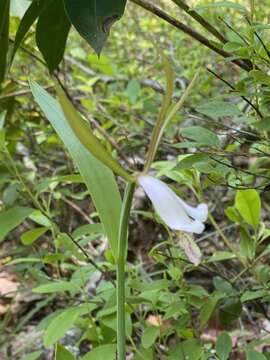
209,307
201,135
255,355
262,125
188,161
87,229
233,215
217,109
143,354
51,33
103,352
63,322
251,295
4,33
33,356
149,336
40,219
232,46
30,236
57,286
224,286
224,346
98,178
11,218
248,203
94,18
230,310
61,353
32,13
221,256
247,245
189,349
260,77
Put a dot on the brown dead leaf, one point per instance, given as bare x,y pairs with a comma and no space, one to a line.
8,287
158,321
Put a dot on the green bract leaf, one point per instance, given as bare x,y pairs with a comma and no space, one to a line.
12,218
98,178
248,203
4,32
51,34
94,18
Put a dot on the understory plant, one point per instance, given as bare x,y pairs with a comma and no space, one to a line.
173,211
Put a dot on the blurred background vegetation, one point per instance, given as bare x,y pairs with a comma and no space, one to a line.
218,310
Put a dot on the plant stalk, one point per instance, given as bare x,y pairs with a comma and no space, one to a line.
121,262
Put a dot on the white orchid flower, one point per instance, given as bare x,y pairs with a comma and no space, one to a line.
174,211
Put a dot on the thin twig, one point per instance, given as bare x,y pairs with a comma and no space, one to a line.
196,16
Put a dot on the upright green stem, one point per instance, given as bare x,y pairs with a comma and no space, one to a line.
121,261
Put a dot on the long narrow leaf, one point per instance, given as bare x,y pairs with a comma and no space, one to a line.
4,31
98,178
157,131
31,14
86,136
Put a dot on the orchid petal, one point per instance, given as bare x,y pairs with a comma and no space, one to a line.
171,209
199,213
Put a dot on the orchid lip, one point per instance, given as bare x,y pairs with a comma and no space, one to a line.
174,211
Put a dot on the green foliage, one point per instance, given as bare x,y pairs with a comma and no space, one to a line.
93,19
51,33
61,353
224,346
57,215
11,218
248,203
31,14
4,33
99,179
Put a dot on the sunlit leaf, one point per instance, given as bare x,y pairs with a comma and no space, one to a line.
93,19
98,178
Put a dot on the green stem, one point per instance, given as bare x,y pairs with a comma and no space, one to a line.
121,261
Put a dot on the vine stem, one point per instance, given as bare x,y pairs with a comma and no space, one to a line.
121,263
